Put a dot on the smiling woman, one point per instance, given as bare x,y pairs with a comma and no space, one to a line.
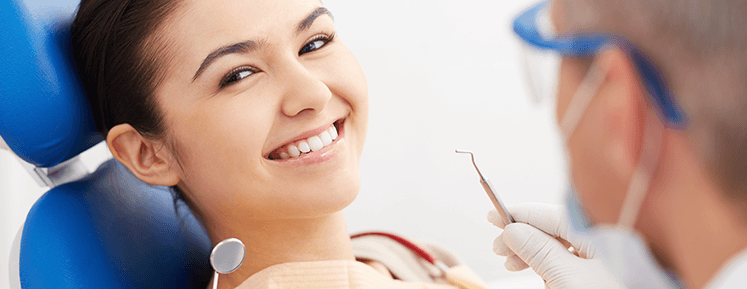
253,111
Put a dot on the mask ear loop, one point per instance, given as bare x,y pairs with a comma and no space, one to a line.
637,190
649,158
647,163
581,99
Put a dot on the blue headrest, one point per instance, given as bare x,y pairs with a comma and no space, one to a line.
111,230
44,115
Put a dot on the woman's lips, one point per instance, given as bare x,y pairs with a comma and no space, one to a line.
302,147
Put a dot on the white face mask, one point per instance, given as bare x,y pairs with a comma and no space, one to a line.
619,247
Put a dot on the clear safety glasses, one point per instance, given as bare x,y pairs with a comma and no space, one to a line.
543,50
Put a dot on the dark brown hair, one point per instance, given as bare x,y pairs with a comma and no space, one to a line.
118,54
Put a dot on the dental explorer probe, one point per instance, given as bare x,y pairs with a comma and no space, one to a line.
488,187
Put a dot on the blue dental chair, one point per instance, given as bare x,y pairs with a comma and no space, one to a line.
104,229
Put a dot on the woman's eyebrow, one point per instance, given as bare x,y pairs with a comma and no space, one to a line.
241,47
251,45
306,23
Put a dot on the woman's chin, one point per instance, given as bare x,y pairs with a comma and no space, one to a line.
321,202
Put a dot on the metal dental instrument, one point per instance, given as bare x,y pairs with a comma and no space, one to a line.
226,257
491,192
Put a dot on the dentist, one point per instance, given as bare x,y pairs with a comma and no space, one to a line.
651,100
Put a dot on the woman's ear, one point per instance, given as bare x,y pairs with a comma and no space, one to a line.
149,161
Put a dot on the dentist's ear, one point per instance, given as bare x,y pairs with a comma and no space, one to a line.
624,107
151,162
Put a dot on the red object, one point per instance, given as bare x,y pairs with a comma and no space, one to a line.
420,251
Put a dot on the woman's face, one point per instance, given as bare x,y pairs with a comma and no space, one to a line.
250,86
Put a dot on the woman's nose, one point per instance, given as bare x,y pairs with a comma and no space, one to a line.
305,91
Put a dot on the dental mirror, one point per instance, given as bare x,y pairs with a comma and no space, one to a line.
226,257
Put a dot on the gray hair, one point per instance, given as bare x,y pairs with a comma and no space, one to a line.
701,48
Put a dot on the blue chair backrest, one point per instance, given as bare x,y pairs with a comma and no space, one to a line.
44,115
112,231
108,230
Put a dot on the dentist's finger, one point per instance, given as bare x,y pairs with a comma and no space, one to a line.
546,217
550,219
536,248
514,263
496,219
500,248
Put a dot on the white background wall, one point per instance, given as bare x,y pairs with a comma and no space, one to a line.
446,75
442,75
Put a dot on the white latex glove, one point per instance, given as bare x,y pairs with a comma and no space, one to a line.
533,241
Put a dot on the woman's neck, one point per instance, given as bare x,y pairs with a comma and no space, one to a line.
274,242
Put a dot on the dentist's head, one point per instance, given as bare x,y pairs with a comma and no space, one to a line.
655,122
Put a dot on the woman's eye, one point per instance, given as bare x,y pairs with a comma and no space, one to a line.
315,43
237,74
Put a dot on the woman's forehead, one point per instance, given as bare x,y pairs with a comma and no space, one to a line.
254,15
199,28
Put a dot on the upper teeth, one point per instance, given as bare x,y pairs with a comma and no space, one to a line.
313,143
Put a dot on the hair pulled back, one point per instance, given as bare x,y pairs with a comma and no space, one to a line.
118,53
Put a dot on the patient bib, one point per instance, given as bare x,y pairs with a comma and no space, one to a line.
329,274
411,270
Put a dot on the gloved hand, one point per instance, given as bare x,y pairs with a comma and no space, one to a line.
539,239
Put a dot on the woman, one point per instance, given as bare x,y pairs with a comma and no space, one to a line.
253,111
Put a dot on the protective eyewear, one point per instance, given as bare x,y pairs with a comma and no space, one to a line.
543,50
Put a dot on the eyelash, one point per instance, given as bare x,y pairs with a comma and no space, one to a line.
233,76
326,38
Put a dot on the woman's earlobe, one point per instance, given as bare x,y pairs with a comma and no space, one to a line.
145,158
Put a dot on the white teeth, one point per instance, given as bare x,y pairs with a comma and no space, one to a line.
315,143
326,138
333,132
293,151
303,146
